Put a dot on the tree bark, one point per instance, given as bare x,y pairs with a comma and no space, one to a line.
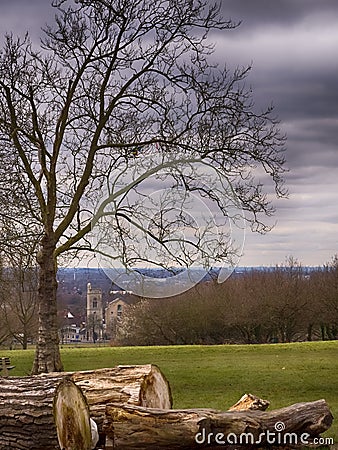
133,427
47,354
26,403
26,414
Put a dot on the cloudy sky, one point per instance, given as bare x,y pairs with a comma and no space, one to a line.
293,48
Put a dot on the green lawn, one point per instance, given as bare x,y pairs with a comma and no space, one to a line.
217,376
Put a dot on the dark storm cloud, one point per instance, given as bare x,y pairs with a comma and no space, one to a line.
259,13
293,48
302,95
21,16
296,70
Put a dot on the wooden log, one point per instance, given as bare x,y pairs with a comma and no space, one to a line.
141,385
71,417
26,415
26,403
132,427
250,402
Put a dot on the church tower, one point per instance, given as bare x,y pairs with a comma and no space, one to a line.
94,314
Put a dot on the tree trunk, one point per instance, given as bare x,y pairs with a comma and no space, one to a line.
309,332
47,354
24,340
133,427
26,403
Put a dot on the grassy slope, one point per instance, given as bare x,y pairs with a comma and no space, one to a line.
217,376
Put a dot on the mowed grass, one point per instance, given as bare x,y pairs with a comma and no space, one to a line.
217,376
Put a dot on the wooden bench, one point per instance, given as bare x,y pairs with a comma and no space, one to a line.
5,366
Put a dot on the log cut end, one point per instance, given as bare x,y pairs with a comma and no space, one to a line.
71,416
155,390
141,385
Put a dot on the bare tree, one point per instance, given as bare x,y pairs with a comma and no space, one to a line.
18,296
113,81
19,312
327,286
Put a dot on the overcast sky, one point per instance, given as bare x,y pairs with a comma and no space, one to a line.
293,47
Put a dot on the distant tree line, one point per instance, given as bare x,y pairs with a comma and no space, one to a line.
285,303
281,304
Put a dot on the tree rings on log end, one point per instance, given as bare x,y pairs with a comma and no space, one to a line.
71,416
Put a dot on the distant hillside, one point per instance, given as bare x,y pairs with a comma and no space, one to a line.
73,280
76,279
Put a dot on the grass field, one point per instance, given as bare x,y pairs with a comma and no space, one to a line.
217,376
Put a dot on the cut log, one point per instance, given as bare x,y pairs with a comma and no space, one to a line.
132,427
250,402
143,385
26,403
26,414
71,417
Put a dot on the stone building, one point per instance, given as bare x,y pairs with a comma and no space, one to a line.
115,309
94,314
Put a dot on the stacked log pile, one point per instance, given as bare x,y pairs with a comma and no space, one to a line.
131,406
26,403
